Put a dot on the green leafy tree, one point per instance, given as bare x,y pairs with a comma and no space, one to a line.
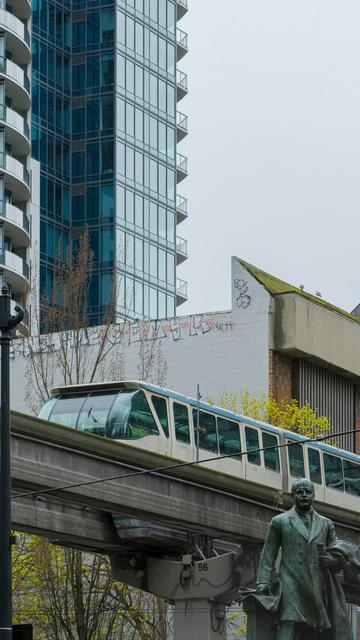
286,415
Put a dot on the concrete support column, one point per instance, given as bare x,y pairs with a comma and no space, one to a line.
199,620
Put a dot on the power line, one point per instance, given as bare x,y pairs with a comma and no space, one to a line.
179,465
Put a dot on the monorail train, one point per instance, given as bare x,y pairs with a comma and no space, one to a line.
164,422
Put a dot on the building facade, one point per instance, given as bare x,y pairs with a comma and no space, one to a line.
18,175
105,131
276,339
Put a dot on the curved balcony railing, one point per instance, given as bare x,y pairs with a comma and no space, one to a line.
15,167
15,215
181,84
181,288
15,120
182,39
182,246
181,204
15,72
181,125
14,262
181,166
12,23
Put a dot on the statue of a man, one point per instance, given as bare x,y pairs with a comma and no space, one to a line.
307,601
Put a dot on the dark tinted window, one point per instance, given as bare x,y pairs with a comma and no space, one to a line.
229,436
160,406
333,472
252,442
181,423
352,477
130,417
296,460
271,456
94,413
207,430
314,466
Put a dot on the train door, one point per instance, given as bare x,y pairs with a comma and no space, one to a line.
205,436
315,471
262,460
160,409
181,435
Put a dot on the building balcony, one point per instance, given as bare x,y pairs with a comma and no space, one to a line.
17,179
16,224
16,272
17,84
181,85
21,8
181,167
181,126
17,37
17,132
181,250
181,8
181,209
181,44
181,292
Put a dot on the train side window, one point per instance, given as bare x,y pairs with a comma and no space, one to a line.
229,436
271,456
352,477
296,460
252,442
333,472
181,423
130,417
314,466
160,407
207,430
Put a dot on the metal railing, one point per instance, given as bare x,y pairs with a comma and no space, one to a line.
181,80
13,118
181,246
182,39
181,288
15,72
13,261
183,3
14,214
182,121
182,204
15,167
181,163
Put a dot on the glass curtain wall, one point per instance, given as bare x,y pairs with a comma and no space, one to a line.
97,63
146,157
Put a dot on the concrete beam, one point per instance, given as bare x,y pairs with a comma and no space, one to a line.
302,327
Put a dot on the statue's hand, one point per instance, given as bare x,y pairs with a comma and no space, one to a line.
263,589
329,562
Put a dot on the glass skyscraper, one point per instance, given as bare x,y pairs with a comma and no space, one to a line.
105,128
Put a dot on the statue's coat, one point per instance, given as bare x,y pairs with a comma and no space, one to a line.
303,579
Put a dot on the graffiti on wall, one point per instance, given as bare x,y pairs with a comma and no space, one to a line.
243,300
129,332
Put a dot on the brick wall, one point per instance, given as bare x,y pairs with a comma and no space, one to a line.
280,376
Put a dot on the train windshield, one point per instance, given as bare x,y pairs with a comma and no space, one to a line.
123,415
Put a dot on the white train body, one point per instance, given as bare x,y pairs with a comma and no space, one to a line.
165,422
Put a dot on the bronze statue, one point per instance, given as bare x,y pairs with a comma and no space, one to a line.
312,604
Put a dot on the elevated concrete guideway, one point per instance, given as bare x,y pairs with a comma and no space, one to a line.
45,455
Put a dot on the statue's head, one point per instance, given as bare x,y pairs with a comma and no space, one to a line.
303,493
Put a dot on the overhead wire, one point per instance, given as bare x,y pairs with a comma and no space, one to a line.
180,465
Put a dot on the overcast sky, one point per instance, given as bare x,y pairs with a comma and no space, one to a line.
274,146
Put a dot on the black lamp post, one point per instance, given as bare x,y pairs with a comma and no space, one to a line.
7,322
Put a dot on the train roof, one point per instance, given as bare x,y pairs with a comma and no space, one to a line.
206,406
